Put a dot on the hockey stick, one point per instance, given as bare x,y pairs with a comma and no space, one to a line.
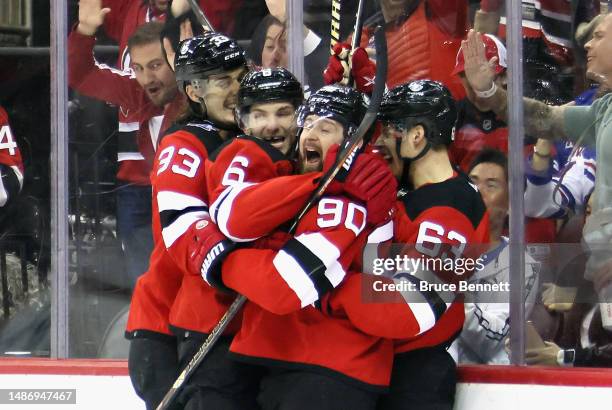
353,144
200,16
343,160
335,25
356,34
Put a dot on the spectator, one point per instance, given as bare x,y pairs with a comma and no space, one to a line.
487,316
269,46
133,193
584,124
584,340
152,94
551,194
11,165
423,37
478,128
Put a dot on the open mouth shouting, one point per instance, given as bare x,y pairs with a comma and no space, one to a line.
277,141
312,156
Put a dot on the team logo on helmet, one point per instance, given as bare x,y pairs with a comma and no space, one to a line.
185,47
416,87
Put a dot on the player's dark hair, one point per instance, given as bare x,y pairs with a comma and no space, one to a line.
491,156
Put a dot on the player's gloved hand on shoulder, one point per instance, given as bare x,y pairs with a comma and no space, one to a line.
369,180
206,250
344,61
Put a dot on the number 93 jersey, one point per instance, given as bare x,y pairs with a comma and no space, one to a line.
180,200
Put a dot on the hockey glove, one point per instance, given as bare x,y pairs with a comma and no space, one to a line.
361,67
370,181
207,249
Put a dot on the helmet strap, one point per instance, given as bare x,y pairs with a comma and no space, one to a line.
420,155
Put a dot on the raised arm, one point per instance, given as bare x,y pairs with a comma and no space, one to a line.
545,121
84,74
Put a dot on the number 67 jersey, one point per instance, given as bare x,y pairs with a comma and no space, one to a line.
448,215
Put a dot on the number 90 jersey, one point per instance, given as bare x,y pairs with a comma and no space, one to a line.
446,216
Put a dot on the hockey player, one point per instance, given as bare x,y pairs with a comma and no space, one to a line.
440,207
208,70
270,87
267,101
307,368
11,165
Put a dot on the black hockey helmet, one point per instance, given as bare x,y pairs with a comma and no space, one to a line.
337,102
421,102
211,53
268,85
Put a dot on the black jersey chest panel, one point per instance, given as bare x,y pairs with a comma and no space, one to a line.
455,193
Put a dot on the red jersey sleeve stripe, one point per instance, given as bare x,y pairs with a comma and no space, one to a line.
311,264
296,278
185,210
18,174
221,210
9,186
382,233
327,252
169,200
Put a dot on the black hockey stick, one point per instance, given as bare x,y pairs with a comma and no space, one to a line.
344,159
335,24
356,34
200,15
354,143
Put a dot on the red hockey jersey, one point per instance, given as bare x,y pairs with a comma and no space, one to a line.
179,201
116,87
475,131
280,324
327,241
11,164
448,213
